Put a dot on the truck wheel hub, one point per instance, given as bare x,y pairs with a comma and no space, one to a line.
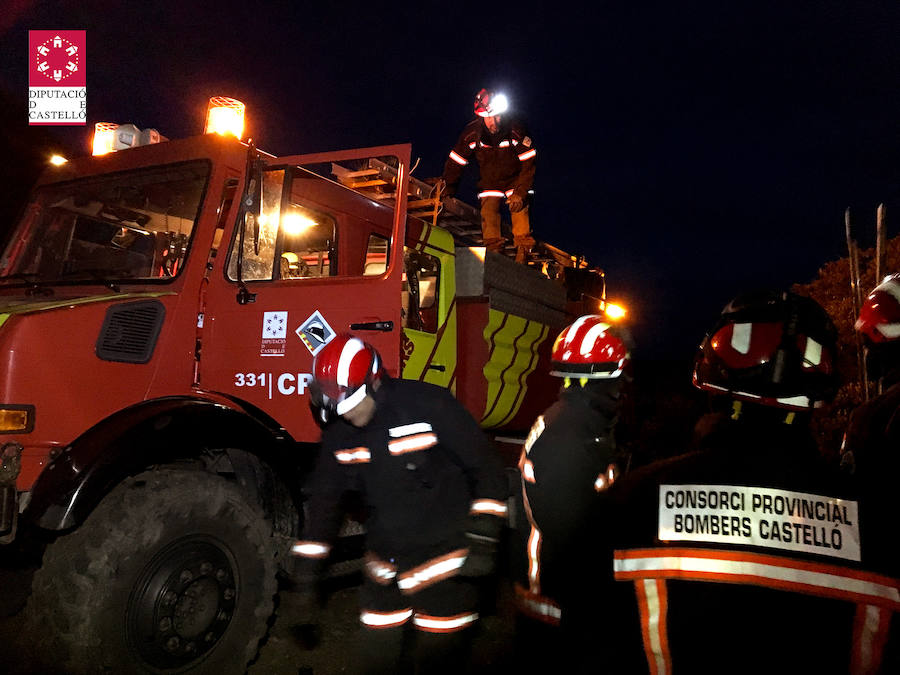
197,607
182,603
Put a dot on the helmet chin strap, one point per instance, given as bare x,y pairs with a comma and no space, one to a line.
351,401
737,408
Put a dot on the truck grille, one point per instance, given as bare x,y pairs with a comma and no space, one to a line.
130,331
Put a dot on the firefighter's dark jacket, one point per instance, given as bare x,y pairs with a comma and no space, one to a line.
574,447
424,467
872,446
506,159
737,624
872,438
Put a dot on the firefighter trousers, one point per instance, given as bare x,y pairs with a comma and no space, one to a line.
431,628
490,224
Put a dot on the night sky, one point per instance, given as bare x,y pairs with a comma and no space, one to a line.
693,150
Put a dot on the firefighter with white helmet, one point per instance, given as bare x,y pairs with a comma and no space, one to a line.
750,553
435,493
505,154
569,458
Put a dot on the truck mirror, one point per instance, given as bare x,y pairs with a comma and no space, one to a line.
251,211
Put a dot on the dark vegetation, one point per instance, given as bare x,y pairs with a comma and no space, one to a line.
831,289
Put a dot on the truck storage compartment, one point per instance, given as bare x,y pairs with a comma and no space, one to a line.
508,317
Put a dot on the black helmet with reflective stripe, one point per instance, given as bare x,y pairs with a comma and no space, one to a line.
776,349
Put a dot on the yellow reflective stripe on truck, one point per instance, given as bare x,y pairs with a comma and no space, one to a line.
438,348
513,344
42,306
431,357
444,351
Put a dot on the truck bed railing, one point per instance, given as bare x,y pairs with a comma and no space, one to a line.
425,202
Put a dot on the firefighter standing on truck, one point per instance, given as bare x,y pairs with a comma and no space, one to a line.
436,498
569,457
505,154
749,554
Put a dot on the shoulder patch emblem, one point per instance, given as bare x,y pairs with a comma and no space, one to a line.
526,141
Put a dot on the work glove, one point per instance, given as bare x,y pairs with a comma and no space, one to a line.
483,539
515,202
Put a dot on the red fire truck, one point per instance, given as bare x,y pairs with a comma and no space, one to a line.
160,307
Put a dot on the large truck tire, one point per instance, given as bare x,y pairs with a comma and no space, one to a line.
173,572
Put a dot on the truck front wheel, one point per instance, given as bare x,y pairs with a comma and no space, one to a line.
173,571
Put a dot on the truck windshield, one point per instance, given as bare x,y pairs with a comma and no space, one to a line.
135,225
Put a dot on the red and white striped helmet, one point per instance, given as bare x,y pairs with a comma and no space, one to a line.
591,347
343,373
879,316
489,103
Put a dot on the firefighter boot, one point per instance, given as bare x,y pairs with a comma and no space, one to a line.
523,247
495,244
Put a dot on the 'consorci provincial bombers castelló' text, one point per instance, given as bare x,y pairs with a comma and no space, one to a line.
766,517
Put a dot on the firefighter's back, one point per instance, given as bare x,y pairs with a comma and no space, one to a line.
746,554
749,553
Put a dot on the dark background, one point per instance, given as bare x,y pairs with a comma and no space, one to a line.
693,150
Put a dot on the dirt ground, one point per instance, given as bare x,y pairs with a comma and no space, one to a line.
283,651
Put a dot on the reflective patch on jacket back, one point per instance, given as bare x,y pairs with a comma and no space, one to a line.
534,433
755,516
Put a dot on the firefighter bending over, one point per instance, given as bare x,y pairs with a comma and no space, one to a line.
436,494
505,155
752,553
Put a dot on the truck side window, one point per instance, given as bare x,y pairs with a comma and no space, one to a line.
307,243
376,255
421,279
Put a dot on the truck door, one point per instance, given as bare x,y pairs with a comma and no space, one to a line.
428,312
316,258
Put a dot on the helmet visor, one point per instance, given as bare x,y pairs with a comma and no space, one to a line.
336,399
